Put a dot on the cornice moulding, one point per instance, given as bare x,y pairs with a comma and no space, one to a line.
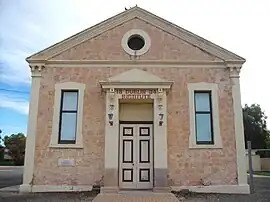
133,62
136,63
116,84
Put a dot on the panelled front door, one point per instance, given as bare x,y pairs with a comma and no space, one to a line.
136,157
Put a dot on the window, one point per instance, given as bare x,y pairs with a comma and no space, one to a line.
68,117
203,117
136,42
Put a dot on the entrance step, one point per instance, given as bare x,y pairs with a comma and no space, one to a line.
137,196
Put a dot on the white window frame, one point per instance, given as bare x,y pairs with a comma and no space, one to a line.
56,114
213,87
141,33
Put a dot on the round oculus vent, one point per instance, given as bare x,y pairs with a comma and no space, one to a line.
136,42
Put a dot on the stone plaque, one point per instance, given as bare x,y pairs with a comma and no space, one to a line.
135,93
66,162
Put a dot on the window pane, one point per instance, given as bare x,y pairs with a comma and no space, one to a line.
203,127
68,126
202,102
70,100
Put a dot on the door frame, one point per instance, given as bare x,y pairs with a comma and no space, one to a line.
119,149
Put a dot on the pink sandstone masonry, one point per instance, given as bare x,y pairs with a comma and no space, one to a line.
107,46
186,166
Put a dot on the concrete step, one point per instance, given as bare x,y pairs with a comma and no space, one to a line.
136,197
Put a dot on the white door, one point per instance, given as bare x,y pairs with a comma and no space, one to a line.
136,157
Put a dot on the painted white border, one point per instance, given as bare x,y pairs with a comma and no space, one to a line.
61,188
112,132
231,189
225,189
239,131
57,99
215,110
29,159
142,34
138,64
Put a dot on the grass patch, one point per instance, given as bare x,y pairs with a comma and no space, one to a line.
264,173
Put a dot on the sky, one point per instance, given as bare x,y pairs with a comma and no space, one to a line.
27,26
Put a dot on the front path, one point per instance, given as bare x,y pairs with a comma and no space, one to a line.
136,197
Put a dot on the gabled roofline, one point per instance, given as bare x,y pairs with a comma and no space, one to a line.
136,12
28,59
235,58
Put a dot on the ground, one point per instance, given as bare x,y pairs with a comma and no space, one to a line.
13,176
10,176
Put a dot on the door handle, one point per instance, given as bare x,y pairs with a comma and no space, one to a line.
132,164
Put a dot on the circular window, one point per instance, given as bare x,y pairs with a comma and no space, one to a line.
136,42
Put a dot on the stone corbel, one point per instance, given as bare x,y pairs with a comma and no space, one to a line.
234,70
36,69
160,95
111,95
111,105
160,98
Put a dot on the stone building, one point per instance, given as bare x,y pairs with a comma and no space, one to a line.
135,102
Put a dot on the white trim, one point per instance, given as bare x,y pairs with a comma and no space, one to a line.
108,189
75,146
239,132
31,131
136,64
225,189
160,132
25,188
111,146
215,113
141,85
140,33
61,188
57,99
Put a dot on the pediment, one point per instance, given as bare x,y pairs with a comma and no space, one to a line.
145,16
136,77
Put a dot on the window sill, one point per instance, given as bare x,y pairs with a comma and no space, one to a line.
205,146
68,146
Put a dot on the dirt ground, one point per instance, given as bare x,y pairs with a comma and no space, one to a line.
262,193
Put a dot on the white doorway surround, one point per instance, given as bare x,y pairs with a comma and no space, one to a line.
135,85
136,156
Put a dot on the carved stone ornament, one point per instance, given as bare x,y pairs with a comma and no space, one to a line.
234,71
160,95
111,94
36,69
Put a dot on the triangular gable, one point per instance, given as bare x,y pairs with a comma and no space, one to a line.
135,77
146,16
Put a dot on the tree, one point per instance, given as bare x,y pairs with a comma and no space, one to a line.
0,136
1,148
15,144
255,128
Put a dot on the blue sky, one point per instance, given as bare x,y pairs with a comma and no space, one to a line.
28,26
